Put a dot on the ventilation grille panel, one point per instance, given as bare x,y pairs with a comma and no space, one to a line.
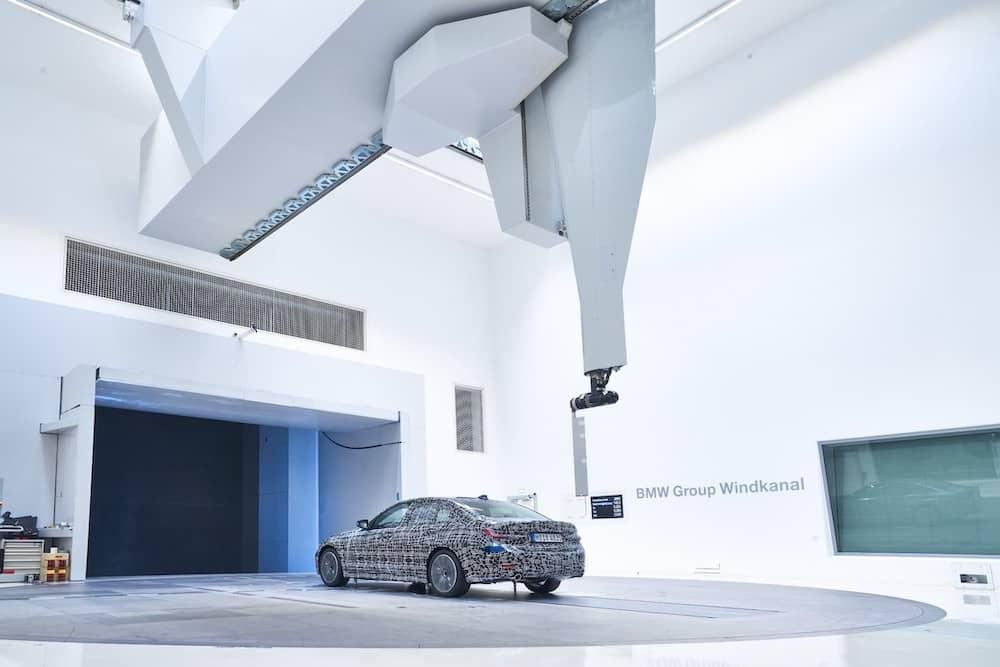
469,419
112,274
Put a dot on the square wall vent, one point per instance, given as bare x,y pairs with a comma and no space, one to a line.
469,419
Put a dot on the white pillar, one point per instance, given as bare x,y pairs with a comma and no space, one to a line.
76,463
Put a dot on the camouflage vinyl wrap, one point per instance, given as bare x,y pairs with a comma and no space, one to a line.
402,552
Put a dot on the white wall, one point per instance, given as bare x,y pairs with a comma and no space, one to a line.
70,168
811,261
29,481
361,483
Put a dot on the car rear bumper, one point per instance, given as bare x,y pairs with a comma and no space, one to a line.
521,565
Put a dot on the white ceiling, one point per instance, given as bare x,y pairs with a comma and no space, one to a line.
741,23
104,16
51,58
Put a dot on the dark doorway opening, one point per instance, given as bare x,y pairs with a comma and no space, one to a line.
172,495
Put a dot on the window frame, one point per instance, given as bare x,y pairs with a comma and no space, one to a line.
824,445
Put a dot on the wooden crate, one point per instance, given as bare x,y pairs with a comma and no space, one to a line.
55,567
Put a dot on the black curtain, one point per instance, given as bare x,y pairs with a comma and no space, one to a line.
172,495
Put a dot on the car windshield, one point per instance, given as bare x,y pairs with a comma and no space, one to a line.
499,509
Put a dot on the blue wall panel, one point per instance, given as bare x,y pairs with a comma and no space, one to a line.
303,499
289,499
272,551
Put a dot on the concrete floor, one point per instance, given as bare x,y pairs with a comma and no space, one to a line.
295,610
941,644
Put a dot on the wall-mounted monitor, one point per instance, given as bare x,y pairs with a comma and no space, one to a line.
935,493
606,507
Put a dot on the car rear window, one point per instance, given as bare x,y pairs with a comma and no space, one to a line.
499,509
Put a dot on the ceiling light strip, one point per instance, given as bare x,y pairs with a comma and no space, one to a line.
708,16
440,177
322,185
568,10
468,147
64,20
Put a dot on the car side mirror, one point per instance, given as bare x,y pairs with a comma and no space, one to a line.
363,524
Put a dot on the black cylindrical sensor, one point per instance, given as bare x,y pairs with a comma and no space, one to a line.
594,399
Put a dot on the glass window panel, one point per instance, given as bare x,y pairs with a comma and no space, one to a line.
390,518
921,495
421,514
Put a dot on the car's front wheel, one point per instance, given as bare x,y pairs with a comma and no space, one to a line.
330,570
445,575
543,585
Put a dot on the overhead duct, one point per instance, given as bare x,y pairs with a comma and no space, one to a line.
297,107
294,96
566,155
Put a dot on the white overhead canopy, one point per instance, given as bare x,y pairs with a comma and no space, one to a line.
139,391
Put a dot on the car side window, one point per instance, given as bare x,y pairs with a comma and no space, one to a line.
443,515
390,518
421,514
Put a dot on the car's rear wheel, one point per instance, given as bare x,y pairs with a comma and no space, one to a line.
445,575
543,585
330,570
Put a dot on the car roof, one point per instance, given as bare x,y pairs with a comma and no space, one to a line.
430,498
461,501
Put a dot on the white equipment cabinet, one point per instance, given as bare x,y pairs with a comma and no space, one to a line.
22,559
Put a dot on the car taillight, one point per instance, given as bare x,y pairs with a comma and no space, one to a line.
495,536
